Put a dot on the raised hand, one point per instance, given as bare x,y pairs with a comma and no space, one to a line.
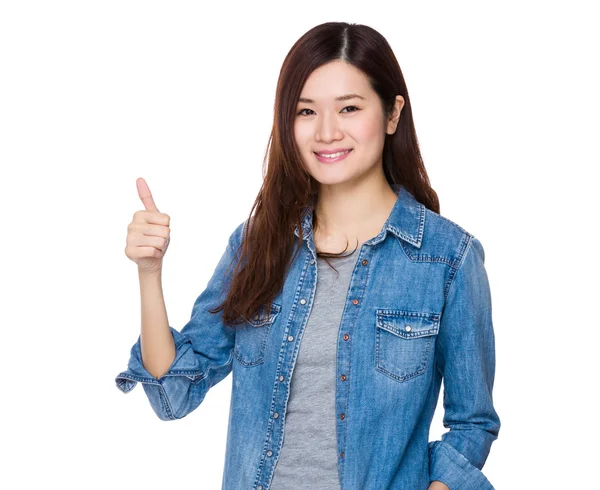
148,234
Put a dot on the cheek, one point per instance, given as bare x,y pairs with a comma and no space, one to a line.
368,131
302,137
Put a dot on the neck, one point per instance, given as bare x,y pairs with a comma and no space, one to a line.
354,209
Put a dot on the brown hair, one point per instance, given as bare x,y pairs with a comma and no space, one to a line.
287,189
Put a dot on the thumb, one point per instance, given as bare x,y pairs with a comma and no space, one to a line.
145,195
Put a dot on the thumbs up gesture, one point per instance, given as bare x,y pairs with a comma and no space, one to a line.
148,234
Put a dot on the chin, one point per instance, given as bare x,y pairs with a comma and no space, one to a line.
331,180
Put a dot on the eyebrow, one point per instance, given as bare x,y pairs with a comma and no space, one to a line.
342,97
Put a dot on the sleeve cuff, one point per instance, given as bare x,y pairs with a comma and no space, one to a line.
185,364
449,466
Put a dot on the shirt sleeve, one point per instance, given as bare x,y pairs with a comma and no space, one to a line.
465,356
203,350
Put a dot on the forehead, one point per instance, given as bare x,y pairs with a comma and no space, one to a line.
334,79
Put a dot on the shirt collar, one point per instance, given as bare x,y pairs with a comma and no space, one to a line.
406,220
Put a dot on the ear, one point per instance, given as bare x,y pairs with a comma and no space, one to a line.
392,122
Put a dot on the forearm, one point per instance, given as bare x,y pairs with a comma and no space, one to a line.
156,341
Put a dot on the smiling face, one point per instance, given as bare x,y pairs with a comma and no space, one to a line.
356,122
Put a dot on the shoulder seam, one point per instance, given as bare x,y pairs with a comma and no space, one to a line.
465,250
466,247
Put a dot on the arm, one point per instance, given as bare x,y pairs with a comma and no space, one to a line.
465,356
157,346
203,350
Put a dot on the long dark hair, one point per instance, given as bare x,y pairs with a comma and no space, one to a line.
268,239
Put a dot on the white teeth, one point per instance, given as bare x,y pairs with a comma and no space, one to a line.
334,155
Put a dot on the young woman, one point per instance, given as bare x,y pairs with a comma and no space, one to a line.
337,356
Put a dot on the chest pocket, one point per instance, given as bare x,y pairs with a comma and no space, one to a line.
251,337
404,342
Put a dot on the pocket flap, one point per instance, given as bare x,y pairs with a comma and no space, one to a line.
408,324
265,316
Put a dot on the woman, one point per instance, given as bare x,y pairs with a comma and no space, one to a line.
346,358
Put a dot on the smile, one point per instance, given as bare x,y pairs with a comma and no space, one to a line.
335,157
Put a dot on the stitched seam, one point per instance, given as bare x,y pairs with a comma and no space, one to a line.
166,405
456,268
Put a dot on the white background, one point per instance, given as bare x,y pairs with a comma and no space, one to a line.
96,94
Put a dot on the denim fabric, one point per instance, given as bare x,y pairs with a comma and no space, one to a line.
418,309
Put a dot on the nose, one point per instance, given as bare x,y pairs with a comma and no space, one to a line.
329,128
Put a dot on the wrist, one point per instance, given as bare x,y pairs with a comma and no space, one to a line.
154,274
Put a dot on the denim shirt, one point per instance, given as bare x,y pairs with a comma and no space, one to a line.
418,310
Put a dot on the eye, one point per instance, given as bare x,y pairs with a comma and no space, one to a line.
347,107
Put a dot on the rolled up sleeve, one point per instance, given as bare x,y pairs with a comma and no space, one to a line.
465,355
204,349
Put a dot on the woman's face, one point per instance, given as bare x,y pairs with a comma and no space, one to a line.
356,123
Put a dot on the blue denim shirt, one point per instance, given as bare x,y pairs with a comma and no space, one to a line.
418,310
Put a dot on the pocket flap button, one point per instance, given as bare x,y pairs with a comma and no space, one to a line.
408,328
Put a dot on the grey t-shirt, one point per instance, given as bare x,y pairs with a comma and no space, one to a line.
308,457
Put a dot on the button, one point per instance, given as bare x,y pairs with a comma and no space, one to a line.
408,328
342,416
276,415
365,262
343,376
302,301
259,487
290,338
341,455
269,453
281,378
346,336
355,301
312,261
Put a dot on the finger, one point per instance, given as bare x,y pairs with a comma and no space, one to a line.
158,243
155,230
145,195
